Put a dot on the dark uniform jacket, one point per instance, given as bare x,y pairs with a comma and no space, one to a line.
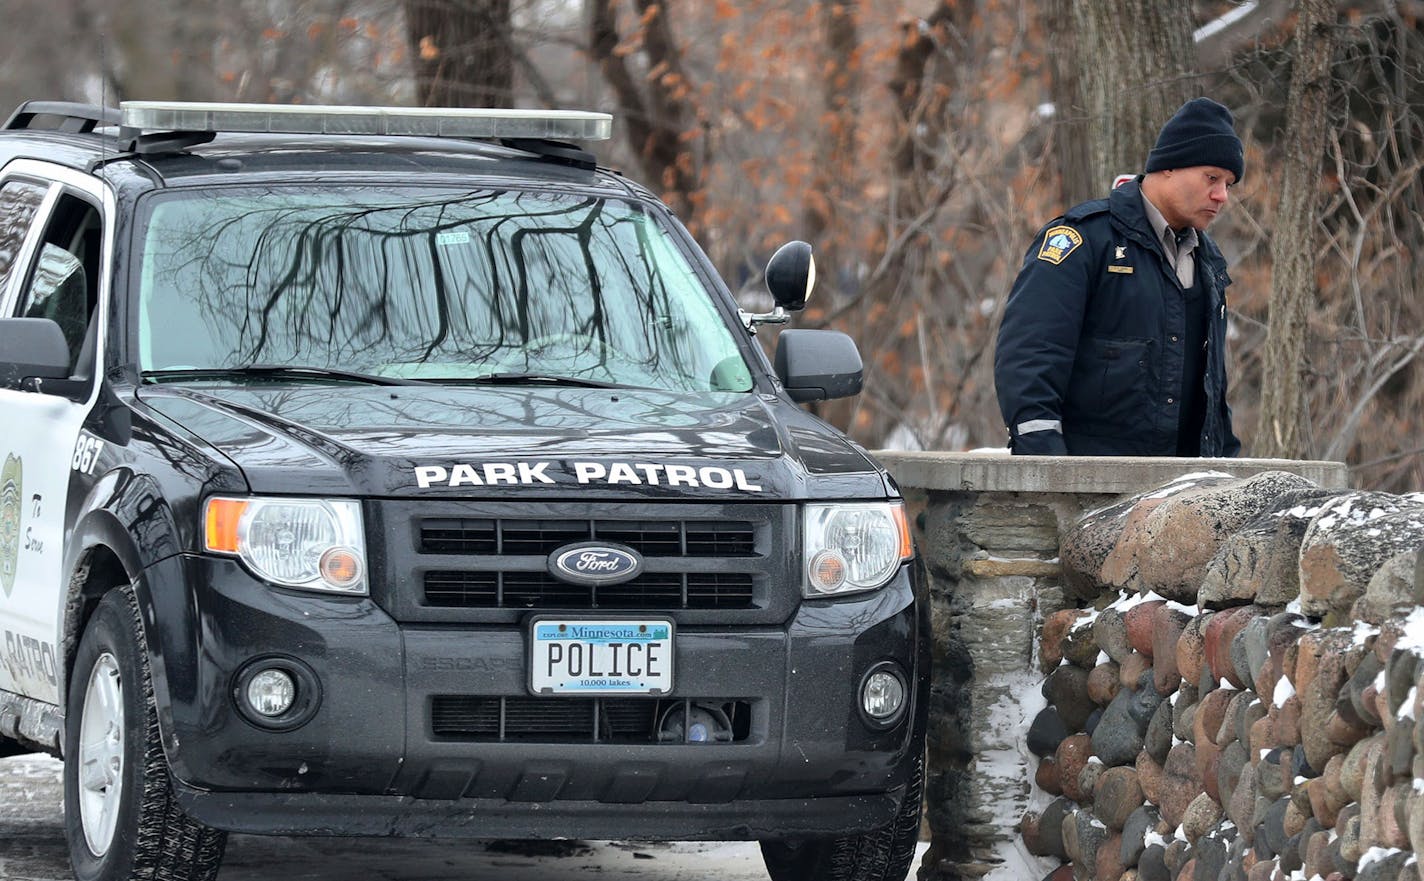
1090,353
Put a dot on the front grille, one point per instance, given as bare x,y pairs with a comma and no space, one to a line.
539,590
589,720
651,538
488,561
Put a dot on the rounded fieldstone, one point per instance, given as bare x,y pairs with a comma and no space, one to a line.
1117,796
1090,835
1273,827
1131,670
1211,854
1046,732
1271,778
1181,783
1201,815
1116,739
1352,770
1088,782
1290,859
1231,726
1073,754
1046,777
1254,711
1109,861
1067,690
1134,833
1080,649
1241,804
1050,827
1167,626
1144,702
1352,703
1158,740
1139,626
1110,632
1184,713
1103,684
1177,854
1152,865
1399,751
1055,631
1348,827
1401,675
1387,868
1248,650
1230,768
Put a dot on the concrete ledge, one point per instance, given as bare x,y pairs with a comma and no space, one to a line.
1109,475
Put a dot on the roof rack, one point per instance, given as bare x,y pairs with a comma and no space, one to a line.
69,116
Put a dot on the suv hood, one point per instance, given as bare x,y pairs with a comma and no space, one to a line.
514,442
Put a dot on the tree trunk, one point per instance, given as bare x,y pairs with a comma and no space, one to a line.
840,94
1131,66
658,115
462,52
1293,284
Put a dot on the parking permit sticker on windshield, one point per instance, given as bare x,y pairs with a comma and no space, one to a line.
456,237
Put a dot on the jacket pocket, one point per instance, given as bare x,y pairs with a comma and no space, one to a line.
1110,393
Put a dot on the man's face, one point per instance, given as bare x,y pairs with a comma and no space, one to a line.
1194,196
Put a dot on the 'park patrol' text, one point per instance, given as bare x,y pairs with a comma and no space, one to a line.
631,473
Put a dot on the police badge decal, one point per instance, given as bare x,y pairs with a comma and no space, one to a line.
11,487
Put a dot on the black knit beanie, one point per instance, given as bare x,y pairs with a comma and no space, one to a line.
1200,133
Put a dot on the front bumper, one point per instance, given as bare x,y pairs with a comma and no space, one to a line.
369,761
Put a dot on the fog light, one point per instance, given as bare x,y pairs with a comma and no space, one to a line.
882,696
271,692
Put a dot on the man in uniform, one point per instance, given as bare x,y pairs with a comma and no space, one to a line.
1113,340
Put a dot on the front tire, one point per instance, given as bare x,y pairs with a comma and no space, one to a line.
120,816
882,855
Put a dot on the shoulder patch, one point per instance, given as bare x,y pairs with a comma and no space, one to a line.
1058,243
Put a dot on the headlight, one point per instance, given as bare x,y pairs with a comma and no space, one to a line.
853,547
314,544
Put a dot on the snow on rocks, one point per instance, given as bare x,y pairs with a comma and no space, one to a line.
1227,731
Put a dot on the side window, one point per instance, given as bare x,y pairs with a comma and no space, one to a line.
19,200
64,284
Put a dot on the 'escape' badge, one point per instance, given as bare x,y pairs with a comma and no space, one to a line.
11,497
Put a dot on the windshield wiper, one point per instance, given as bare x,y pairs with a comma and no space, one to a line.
538,379
277,371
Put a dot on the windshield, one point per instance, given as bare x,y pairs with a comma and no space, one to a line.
435,285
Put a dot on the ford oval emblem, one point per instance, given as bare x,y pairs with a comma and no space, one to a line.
595,563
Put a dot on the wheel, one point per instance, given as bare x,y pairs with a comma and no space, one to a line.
882,855
119,812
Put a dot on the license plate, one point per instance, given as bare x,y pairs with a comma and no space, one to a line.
618,656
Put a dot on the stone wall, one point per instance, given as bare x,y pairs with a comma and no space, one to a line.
990,532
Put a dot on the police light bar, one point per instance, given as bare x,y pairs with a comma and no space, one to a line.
440,122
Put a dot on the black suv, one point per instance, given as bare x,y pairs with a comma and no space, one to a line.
372,471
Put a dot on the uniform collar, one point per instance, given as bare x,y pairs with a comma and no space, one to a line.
1126,205
1181,241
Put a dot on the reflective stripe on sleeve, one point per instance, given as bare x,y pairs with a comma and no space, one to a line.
1040,425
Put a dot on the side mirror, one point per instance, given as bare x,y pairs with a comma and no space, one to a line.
818,365
31,348
790,275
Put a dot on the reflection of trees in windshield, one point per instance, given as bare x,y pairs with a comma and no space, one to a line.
444,286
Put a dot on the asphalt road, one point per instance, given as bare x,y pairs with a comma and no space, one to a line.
32,848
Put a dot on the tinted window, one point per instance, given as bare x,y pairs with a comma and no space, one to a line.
63,286
428,284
